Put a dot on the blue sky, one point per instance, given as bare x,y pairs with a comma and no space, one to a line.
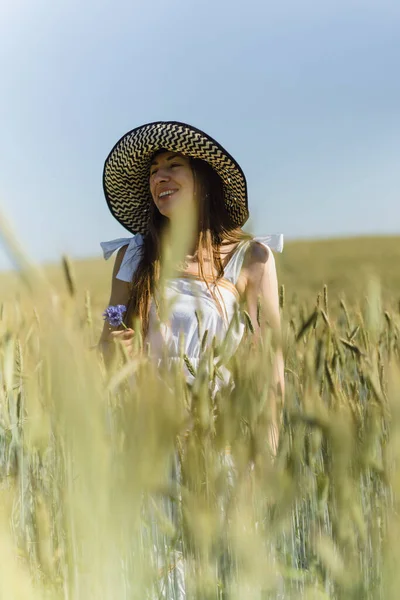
305,95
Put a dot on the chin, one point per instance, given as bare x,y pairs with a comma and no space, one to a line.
165,213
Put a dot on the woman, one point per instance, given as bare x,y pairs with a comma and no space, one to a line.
171,185
155,177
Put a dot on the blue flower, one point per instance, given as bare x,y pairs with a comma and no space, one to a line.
113,315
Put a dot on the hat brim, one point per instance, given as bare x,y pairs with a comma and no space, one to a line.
127,167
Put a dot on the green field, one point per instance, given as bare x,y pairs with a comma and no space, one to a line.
88,507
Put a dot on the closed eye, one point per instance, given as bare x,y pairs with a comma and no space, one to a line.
152,173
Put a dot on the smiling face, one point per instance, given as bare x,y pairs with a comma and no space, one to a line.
171,182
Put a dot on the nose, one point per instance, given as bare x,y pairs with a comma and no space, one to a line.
161,175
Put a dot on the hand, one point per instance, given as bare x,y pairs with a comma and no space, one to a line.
125,338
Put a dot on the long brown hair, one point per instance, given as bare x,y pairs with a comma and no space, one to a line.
215,228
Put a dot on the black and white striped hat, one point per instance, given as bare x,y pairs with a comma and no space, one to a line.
127,168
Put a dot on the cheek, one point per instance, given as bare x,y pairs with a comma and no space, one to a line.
189,182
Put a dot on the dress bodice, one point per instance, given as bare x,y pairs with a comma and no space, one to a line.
194,307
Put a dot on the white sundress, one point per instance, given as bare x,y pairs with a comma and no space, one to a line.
194,309
191,297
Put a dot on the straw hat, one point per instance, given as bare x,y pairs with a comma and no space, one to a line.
127,168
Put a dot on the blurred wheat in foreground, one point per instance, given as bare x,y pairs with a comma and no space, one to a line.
128,485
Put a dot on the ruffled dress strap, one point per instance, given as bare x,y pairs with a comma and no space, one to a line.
234,266
132,255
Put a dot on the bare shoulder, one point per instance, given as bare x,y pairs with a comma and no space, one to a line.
258,258
258,253
120,290
119,258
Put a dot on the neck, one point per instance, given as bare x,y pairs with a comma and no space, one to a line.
188,241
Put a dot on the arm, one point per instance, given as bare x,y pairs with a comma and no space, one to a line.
262,283
120,294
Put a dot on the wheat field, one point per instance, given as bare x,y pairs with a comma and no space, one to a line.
125,484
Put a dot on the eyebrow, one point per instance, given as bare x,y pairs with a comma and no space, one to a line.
154,162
